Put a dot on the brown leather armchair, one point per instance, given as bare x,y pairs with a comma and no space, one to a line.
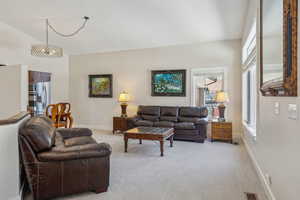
60,162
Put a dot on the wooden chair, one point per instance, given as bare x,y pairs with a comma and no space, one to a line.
60,115
66,114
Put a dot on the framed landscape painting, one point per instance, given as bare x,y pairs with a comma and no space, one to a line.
100,85
168,83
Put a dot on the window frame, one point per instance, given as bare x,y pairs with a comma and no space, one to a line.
249,82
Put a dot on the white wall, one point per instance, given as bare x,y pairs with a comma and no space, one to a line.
14,96
15,49
9,168
131,72
276,149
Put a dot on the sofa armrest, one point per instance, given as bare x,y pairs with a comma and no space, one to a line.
202,121
131,121
76,152
67,133
202,127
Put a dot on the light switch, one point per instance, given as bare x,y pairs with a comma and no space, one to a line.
293,111
277,108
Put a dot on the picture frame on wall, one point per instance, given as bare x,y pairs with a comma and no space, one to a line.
168,83
101,86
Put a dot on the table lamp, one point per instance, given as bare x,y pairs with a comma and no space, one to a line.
222,97
123,99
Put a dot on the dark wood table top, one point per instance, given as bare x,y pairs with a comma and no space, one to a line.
150,131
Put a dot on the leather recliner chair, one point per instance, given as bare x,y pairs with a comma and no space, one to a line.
60,162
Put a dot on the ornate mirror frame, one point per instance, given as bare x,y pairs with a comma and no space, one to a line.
287,86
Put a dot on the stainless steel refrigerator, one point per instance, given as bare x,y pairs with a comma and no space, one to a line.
39,93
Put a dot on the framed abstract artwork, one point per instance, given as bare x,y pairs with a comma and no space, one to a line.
101,85
168,83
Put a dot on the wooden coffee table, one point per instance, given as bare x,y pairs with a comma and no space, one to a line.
150,133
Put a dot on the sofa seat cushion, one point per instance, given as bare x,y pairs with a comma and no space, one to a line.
164,124
143,123
151,118
169,118
185,126
67,133
62,153
75,141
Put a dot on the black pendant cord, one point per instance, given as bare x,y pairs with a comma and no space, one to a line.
71,34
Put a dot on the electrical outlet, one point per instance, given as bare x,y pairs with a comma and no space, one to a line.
277,108
293,111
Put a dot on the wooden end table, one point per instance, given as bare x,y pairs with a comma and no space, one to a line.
119,124
221,131
150,133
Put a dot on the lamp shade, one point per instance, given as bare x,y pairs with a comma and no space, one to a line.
124,97
222,97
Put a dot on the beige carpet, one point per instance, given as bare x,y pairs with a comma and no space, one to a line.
188,171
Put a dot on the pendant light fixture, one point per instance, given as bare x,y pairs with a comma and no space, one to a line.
46,50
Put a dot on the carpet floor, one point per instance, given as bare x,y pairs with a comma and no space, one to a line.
188,171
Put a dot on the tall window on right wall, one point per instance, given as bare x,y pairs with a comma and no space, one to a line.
249,81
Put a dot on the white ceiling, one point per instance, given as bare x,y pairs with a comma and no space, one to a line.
128,24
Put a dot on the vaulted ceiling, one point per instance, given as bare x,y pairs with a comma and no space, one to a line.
127,24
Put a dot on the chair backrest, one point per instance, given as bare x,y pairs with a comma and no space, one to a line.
55,111
65,107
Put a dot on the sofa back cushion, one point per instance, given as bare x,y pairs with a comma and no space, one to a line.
168,113
150,113
193,112
149,110
39,132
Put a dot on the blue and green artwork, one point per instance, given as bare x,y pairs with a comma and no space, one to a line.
168,83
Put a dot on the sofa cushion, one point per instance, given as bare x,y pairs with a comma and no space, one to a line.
149,110
67,133
62,153
143,123
168,118
76,141
152,118
39,132
189,119
169,111
164,124
185,126
193,112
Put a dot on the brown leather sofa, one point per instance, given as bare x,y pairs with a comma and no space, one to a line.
189,123
60,162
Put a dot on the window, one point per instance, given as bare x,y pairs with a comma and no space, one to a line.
250,44
249,81
213,84
249,96
205,85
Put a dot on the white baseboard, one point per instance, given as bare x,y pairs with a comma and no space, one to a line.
15,198
259,172
98,127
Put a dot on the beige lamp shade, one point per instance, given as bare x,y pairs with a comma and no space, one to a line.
222,97
124,97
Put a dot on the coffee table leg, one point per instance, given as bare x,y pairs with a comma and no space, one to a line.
161,148
171,140
140,141
126,143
